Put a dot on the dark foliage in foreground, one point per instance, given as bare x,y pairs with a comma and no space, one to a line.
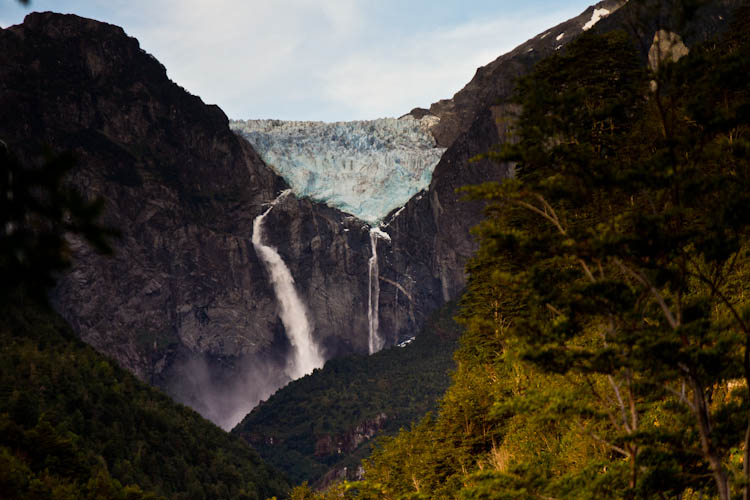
74,425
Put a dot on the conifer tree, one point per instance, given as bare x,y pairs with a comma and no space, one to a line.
624,233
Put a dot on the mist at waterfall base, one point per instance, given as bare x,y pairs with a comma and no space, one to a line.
226,395
227,390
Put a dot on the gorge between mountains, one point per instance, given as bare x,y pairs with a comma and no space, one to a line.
251,251
534,289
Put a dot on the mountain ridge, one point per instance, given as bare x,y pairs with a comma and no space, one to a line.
185,303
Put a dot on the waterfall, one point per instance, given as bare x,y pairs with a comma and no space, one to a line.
375,340
306,355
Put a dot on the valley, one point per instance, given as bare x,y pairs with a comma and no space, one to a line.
328,293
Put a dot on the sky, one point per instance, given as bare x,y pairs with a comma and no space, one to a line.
326,60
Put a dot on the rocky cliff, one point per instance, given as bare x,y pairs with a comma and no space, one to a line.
476,120
185,303
181,188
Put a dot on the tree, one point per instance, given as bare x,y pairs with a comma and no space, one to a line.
606,310
624,237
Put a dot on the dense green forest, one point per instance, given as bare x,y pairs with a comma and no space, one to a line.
385,392
73,425
607,344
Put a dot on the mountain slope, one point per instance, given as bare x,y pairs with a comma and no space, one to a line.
431,233
430,236
528,414
75,425
177,183
319,428
477,119
185,303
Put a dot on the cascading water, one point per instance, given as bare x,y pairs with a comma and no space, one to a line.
375,341
306,354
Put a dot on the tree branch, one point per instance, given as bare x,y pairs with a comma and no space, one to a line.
550,216
681,396
620,401
603,441
659,297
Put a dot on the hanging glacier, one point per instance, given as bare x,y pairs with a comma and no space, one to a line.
365,168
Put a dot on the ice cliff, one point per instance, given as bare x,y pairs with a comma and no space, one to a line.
365,168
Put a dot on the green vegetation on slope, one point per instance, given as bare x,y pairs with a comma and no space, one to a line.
607,350
74,425
326,407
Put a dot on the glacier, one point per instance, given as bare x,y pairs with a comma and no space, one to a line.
365,168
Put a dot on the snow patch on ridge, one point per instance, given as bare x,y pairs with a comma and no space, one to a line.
597,16
365,168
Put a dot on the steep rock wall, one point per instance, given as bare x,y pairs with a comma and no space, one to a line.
185,302
478,118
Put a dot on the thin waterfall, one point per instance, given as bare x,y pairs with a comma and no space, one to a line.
306,354
375,340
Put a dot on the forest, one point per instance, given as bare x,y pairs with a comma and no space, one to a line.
74,425
387,390
607,343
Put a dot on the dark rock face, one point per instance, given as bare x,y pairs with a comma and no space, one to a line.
327,253
346,443
181,188
185,302
350,440
493,83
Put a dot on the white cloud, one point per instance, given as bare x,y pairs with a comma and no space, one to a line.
425,67
316,59
231,52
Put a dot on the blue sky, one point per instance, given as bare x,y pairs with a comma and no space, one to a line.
323,60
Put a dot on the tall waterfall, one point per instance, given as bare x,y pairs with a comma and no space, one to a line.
375,340
306,355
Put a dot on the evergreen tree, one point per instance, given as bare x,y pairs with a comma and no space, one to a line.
606,312
625,233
